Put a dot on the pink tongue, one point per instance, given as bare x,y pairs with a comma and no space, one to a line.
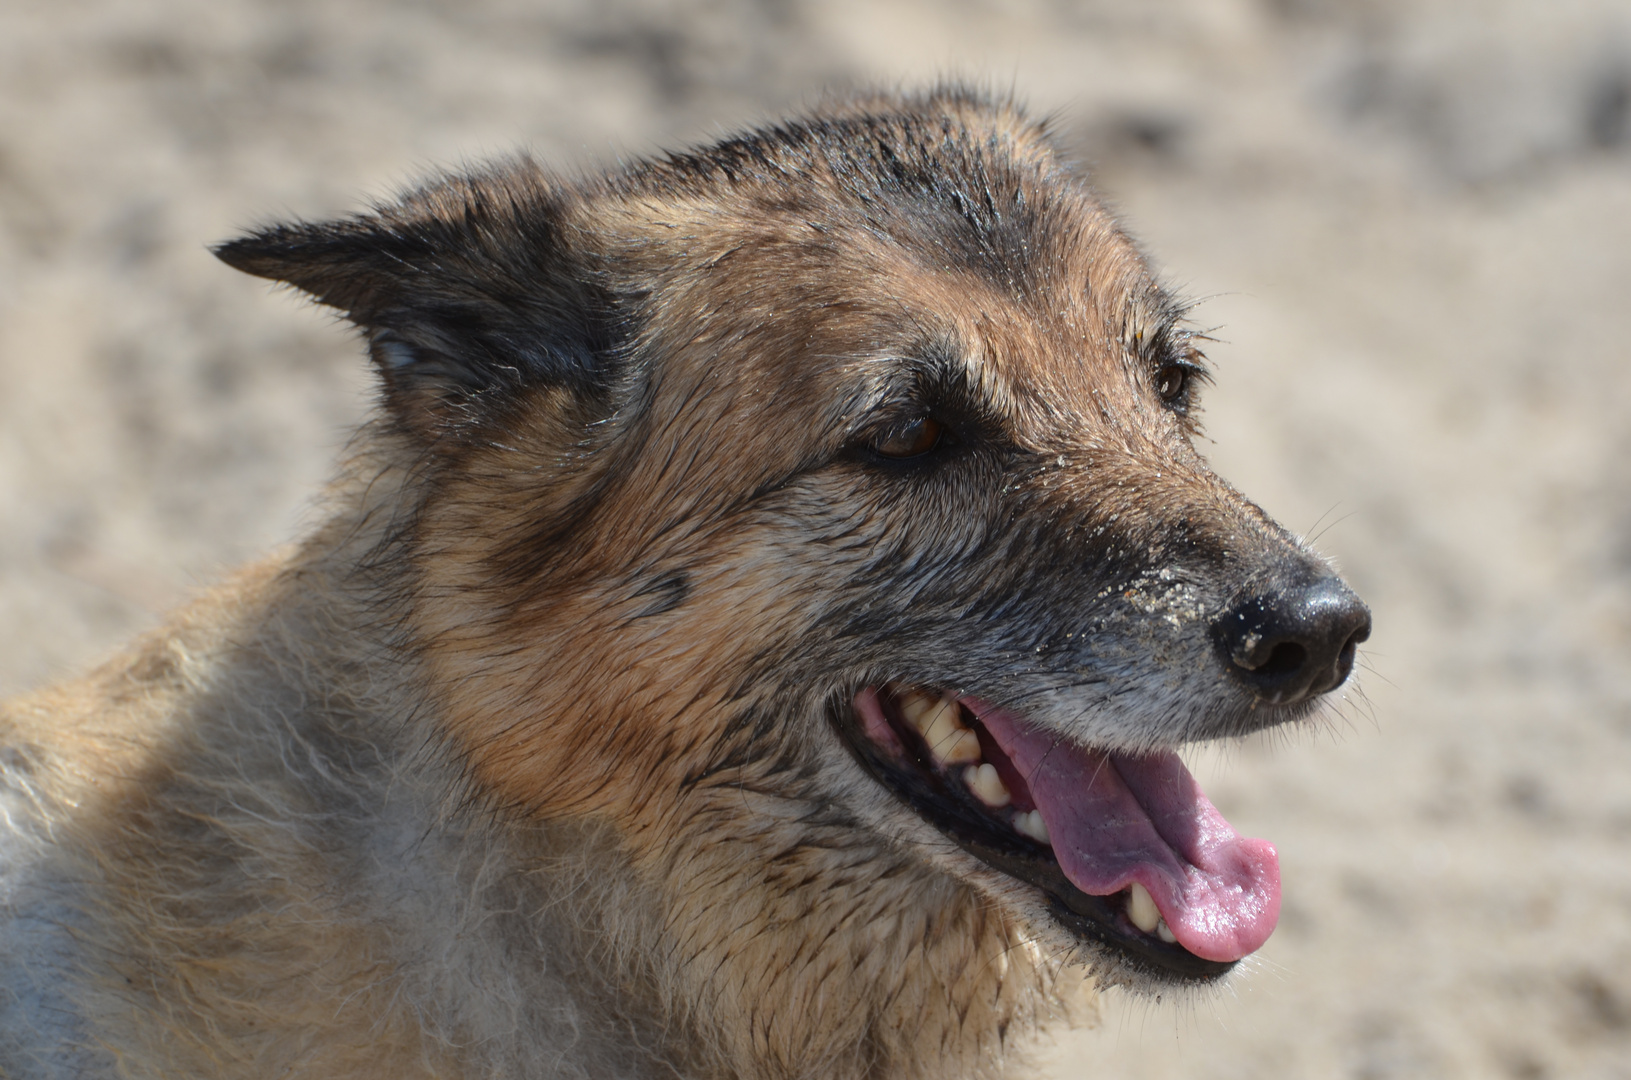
1115,819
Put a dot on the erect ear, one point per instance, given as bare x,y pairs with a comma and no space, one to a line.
469,290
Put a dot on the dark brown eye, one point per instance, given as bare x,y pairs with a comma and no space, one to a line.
917,437
1170,382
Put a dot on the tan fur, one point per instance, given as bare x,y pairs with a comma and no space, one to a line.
443,791
261,969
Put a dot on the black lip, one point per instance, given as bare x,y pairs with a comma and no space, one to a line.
1095,918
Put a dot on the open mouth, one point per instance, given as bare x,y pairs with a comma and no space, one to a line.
1126,848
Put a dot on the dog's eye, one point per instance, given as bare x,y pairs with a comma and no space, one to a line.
1170,382
910,440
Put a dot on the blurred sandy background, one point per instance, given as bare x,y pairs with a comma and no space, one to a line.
1413,224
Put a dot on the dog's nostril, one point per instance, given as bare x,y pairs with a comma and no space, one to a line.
1287,658
1295,642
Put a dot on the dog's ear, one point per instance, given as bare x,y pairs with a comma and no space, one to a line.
470,290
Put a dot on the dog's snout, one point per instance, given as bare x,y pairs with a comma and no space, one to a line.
1294,643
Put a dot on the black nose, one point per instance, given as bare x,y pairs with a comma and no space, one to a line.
1294,643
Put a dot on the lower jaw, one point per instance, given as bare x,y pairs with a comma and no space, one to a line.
1124,952
1100,920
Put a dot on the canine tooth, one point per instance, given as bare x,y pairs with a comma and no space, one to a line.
1031,824
915,707
1164,932
987,785
949,741
957,748
1141,909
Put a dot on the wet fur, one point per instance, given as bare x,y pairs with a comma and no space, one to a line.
526,763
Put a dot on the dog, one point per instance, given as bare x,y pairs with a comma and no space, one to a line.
750,639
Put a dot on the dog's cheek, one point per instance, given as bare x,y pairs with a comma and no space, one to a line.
587,698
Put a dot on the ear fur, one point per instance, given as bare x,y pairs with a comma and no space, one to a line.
470,290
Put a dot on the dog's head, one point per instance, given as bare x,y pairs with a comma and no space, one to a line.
821,507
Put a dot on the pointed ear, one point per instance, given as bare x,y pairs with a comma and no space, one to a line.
470,290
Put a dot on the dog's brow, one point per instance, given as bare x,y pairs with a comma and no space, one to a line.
1153,319
948,367
938,374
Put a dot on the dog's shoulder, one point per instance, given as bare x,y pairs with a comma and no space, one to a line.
239,828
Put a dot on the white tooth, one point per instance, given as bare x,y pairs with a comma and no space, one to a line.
1164,932
987,785
949,741
1031,824
1141,909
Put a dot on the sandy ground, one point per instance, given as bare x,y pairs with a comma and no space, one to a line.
1412,225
